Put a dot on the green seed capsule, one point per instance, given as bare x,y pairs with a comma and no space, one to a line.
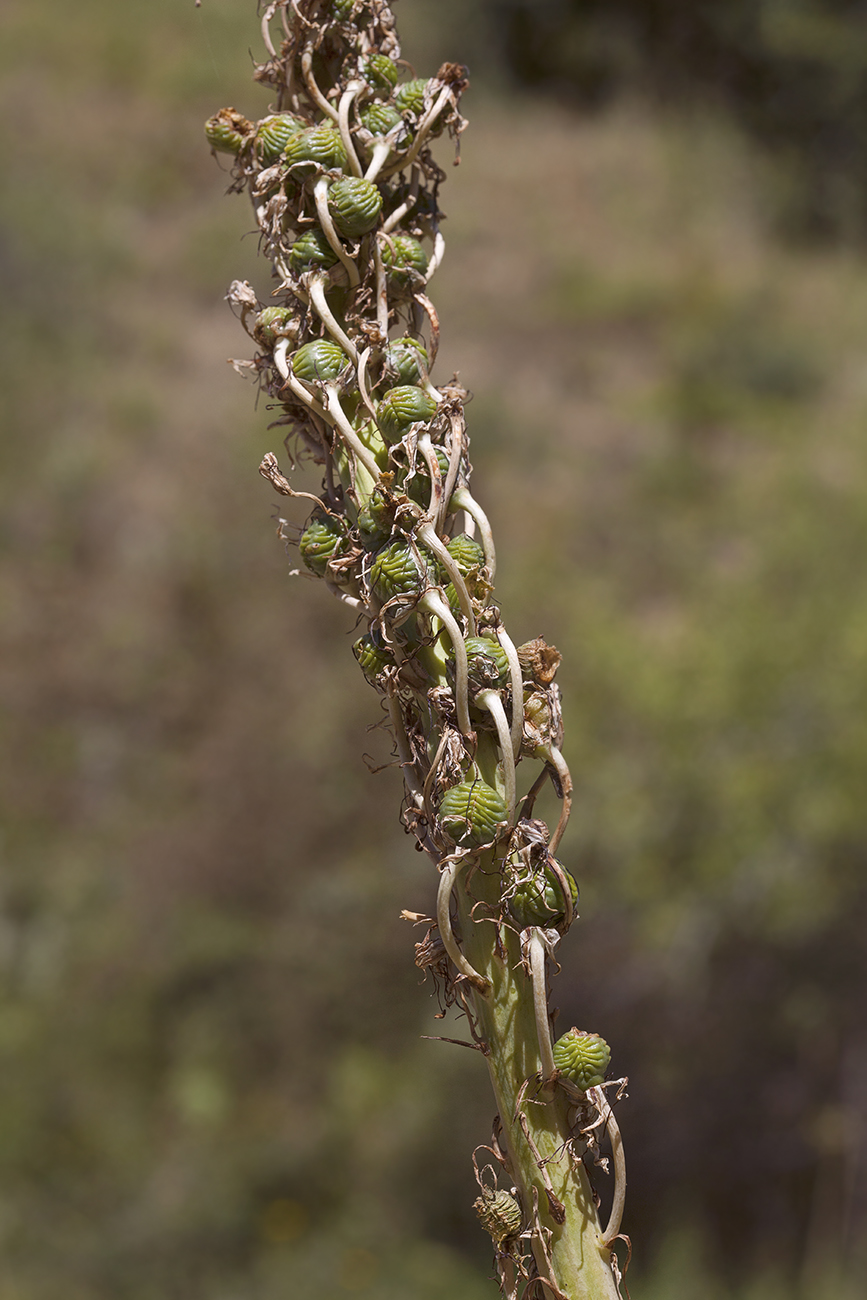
340,9
228,131
395,572
487,664
583,1058
320,360
355,205
401,408
274,133
540,901
466,553
405,262
322,540
373,657
270,325
380,118
375,520
472,813
404,362
499,1214
379,71
311,252
409,98
317,144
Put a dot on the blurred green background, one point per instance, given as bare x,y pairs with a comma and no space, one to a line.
213,1085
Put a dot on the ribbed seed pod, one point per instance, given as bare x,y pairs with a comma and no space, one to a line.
471,813
311,251
401,408
228,131
340,9
271,323
409,98
466,552
396,572
379,118
274,133
540,901
380,71
405,262
319,360
583,1058
373,658
499,1213
487,664
322,540
375,520
404,361
317,144
355,205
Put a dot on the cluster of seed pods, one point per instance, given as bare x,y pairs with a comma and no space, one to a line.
345,193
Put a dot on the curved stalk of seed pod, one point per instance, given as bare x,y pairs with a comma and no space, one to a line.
381,290
537,951
552,756
266,33
517,683
433,603
281,365
435,506
603,1105
424,128
450,873
316,287
310,82
381,150
426,534
348,434
320,197
404,752
492,701
352,601
421,300
437,256
346,99
399,213
462,498
363,359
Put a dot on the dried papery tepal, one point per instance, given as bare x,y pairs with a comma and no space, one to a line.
345,193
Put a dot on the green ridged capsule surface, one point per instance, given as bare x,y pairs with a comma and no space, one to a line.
228,131
404,362
319,360
380,118
409,98
583,1058
471,813
466,553
401,408
311,251
405,262
322,540
274,133
355,205
487,663
339,9
499,1214
380,71
271,324
316,144
372,657
375,520
395,572
540,901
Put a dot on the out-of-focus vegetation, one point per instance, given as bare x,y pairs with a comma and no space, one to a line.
212,1082
792,73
